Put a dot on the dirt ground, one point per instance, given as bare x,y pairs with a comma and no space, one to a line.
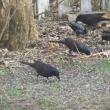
85,81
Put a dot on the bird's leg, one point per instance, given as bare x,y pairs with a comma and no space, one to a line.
92,31
107,42
58,78
47,78
37,76
93,27
70,51
77,49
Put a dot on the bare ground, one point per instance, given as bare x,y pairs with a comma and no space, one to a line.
84,85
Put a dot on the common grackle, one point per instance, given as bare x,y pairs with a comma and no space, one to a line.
78,28
75,46
43,69
92,19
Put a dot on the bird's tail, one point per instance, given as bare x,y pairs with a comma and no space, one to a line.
26,63
58,41
70,23
105,31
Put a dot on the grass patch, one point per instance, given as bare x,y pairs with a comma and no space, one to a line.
14,91
82,98
4,71
60,58
54,87
71,64
19,108
103,65
5,104
45,103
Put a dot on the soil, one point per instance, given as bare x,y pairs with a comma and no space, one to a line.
85,81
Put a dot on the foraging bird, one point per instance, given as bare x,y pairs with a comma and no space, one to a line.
78,28
106,35
43,69
75,46
92,19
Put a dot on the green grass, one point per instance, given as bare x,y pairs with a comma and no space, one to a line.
60,58
71,64
103,65
45,103
5,104
54,87
82,98
19,108
14,91
4,71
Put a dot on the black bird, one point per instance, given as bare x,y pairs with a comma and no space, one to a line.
106,35
43,69
78,28
75,46
92,19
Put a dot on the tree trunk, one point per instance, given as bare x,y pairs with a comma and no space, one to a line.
97,5
63,7
86,6
42,5
106,5
19,24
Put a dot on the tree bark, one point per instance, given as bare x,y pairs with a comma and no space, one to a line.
106,5
97,5
19,24
42,5
86,6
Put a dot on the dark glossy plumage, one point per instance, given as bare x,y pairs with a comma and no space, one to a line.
75,46
78,28
43,69
106,35
91,19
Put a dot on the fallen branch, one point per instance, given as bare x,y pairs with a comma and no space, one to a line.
104,53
